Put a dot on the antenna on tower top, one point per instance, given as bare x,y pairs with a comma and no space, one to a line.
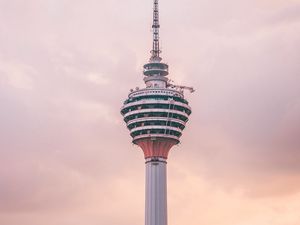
155,52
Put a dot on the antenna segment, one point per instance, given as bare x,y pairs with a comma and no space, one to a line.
155,52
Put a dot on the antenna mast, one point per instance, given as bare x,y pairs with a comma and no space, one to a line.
155,27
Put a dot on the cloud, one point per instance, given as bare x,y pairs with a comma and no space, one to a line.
67,66
18,75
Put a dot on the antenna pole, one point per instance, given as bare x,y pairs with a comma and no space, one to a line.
155,27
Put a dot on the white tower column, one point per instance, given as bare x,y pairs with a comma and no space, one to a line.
156,192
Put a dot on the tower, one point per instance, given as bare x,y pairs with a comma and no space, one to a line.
156,116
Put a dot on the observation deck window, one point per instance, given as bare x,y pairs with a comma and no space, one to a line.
156,97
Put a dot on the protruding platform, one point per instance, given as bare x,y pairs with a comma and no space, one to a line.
156,68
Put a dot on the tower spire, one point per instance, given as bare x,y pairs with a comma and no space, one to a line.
155,52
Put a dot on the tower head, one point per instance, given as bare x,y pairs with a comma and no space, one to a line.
156,115
156,118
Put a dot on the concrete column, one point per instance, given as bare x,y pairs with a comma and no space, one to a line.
156,192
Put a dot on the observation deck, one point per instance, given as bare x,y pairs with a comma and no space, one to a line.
156,113
156,68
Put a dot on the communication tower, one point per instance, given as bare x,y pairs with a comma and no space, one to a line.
156,116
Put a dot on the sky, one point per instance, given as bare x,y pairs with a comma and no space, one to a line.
66,66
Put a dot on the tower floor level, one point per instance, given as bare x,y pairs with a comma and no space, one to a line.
156,117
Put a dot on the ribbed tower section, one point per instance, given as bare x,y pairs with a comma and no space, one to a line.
156,116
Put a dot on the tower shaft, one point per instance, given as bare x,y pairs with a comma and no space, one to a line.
156,192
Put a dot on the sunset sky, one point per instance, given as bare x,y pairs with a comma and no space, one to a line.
66,66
